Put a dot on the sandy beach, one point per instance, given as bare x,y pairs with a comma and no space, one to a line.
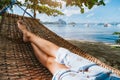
103,51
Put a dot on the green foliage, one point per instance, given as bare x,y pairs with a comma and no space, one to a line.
117,33
44,6
4,3
118,40
49,11
0,17
49,6
81,3
51,3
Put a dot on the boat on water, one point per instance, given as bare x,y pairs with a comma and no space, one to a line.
72,23
87,25
107,25
118,25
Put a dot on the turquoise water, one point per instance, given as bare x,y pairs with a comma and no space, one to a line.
93,32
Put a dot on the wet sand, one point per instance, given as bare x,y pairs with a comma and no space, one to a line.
105,52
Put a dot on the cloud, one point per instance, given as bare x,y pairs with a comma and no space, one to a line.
94,7
119,9
70,12
107,1
22,1
90,15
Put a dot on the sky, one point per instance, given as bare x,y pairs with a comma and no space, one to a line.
108,13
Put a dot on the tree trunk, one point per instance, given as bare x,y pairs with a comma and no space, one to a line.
34,13
35,2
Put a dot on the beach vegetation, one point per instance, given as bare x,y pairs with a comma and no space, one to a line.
82,4
4,3
118,40
0,18
52,7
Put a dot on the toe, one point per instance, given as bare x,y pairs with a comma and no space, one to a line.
20,22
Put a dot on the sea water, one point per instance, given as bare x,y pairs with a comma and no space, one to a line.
92,32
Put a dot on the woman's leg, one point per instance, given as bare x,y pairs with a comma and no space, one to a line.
40,55
44,45
43,49
48,61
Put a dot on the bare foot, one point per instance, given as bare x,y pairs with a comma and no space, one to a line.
22,27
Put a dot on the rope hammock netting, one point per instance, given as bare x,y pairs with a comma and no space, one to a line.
17,60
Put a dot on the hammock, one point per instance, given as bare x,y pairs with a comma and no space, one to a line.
17,60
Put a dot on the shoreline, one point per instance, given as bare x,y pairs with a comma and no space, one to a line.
83,41
103,51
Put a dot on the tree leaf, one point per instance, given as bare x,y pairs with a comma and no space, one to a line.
49,7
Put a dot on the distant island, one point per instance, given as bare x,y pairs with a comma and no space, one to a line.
72,23
60,21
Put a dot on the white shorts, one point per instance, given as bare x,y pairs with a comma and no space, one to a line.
72,60
77,65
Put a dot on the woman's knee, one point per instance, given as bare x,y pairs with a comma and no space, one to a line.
50,61
53,66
